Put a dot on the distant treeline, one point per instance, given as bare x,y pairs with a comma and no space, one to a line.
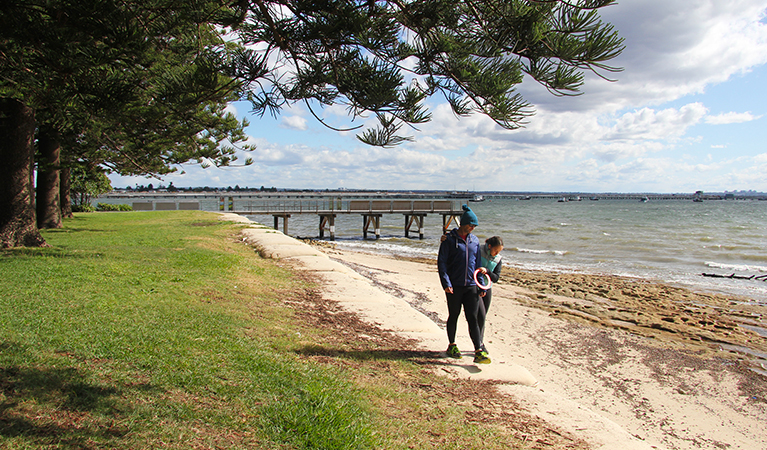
171,188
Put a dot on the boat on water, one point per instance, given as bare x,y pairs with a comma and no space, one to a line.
526,197
460,195
593,199
562,200
478,198
644,199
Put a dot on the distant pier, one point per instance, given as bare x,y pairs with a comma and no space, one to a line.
371,210
326,207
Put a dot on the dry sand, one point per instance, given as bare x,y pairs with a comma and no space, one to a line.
621,363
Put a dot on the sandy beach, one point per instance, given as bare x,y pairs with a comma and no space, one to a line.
619,363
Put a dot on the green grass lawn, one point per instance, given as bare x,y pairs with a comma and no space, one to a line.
163,330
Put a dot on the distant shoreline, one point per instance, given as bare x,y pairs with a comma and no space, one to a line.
463,195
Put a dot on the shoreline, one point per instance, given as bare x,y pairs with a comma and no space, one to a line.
699,284
607,359
706,321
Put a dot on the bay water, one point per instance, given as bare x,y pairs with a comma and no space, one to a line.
672,241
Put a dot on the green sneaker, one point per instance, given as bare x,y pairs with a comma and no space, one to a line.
453,352
480,357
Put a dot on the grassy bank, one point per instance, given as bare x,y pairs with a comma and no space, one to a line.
163,330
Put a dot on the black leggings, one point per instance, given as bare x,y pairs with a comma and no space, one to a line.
482,313
468,298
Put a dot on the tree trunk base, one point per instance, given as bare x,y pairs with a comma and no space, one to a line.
18,235
18,222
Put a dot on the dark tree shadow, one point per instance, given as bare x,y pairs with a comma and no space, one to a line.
420,357
374,354
49,406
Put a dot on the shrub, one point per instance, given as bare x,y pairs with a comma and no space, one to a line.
83,208
110,207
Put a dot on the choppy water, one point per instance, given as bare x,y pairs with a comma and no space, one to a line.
673,241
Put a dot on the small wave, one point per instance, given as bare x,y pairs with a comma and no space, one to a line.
737,267
755,257
731,247
540,252
389,248
526,250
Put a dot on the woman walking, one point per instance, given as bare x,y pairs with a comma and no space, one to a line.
459,256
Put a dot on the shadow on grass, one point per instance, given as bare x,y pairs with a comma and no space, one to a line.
414,356
75,230
35,252
56,406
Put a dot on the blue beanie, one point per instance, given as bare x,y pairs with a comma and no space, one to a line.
468,217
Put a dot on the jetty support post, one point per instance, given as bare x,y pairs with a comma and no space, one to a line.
328,220
367,220
418,219
448,218
284,222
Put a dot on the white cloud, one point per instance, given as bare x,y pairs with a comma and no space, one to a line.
231,109
650,124
731,117
294,123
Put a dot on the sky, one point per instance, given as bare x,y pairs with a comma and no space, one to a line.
687,113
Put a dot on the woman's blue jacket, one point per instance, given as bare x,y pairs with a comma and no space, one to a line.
458,259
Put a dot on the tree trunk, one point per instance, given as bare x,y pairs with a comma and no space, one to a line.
48,185
18,225
65,195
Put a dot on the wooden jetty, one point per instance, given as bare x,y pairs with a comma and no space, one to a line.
371,210
326,207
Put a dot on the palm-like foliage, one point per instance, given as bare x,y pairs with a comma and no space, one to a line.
386,57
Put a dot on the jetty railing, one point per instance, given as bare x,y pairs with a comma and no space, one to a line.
341,206
371,210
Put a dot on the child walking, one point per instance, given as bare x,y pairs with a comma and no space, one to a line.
491,262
